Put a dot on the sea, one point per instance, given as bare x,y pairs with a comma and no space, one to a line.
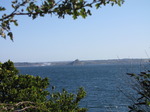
107,86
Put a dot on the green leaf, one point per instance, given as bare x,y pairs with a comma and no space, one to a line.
15,23
97,5
10,34
2,9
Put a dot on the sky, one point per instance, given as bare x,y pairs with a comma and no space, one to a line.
110,33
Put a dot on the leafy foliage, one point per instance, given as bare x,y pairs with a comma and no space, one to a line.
141,103
60,8
16,88
28,93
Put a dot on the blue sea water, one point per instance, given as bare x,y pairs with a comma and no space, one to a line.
105,84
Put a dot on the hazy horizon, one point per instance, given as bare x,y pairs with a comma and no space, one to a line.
80,60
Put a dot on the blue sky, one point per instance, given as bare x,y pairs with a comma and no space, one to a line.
110,33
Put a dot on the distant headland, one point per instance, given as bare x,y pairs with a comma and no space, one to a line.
84,62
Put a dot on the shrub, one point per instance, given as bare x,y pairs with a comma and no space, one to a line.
28,93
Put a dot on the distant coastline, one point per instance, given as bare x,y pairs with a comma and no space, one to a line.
83,62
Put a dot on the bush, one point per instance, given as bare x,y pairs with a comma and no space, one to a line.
28,93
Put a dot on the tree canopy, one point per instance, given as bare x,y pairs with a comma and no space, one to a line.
59,8
27,93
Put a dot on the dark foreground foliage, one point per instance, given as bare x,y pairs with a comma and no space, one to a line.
27,93
141,101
